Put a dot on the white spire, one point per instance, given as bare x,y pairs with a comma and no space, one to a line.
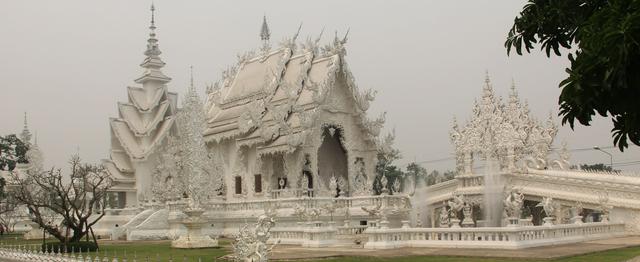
264,31
152,63
25,136
191,71
265,34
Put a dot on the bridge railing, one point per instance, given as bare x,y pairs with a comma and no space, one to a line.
490,237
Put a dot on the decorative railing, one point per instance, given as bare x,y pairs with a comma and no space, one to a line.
351,230
286,193
310,202
471,180
490,237
311,234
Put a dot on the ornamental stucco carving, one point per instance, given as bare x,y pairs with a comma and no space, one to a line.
251,242
502,131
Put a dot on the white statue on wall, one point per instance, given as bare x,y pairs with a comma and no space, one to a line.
444,216
513,202
549,208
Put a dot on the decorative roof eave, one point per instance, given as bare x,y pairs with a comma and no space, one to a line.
122,162
113,170
249,141
217,137
153,75
138,102
362,99
273,150
145,130
134,151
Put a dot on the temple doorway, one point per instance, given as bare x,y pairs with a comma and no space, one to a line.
332,159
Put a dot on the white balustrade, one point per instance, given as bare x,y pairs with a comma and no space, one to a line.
312,234
490,237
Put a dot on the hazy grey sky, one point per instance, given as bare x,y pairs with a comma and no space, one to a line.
67,63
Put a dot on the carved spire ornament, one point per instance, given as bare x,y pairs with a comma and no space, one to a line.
265,34
152,63
505,132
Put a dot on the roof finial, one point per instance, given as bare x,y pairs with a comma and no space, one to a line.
264,31
25,120
152,42
25,136
486,76
152,62
191,71
153,15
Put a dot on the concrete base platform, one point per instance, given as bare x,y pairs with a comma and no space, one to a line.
288,252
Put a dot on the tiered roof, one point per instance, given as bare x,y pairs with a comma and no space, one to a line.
271,98
145,119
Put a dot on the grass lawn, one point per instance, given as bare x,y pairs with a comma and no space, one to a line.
616,255
162,250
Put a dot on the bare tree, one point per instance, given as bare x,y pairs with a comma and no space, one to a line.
78,199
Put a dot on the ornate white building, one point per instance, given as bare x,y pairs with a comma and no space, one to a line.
290,118
286,133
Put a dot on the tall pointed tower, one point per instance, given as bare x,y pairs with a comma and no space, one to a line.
141,127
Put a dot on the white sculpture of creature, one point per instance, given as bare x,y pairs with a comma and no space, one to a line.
444,216
251,245
396,185
384,182
513,203
456,204
549,207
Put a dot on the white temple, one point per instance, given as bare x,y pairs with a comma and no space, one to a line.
285,136
288,119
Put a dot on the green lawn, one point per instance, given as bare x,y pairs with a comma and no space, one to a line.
162,249
616,255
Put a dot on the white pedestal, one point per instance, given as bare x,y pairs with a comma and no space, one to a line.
548,221
577,220
194,237
455,223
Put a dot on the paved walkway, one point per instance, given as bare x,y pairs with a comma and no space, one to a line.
287,252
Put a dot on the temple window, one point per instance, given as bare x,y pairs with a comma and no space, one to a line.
238,182
258,183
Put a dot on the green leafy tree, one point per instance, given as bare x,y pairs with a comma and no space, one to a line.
418,173
604,73
12,151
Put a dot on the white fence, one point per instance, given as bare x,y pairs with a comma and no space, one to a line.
490,237
310,235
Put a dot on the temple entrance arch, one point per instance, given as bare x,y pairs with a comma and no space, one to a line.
332,158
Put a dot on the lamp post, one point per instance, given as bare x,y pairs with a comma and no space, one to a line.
610,155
